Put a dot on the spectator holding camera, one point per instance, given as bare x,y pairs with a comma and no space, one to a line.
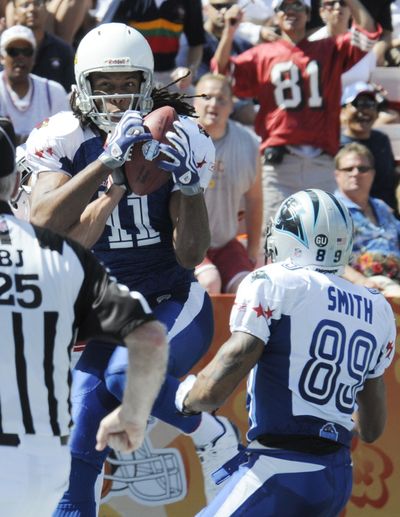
297,84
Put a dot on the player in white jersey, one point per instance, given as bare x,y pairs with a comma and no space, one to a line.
316,347
52,291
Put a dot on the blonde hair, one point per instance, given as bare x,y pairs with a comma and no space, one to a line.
357,148
225,81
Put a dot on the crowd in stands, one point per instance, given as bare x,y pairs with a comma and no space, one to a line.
283,89
298,127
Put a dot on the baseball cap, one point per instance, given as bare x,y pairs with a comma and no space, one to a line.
7,147
355,89
15,33
277,3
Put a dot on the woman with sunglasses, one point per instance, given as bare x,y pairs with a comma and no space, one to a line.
25,98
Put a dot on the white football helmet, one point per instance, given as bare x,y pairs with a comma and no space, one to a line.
150,476
112,47
313,229
21,203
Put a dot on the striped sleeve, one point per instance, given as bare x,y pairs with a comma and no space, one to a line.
362,39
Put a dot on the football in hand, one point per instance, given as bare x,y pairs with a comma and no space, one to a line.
142,171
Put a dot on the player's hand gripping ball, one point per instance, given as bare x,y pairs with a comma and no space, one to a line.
128,132
181,161
142,170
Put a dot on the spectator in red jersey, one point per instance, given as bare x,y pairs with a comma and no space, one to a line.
297,84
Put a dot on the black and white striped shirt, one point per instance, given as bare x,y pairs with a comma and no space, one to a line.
52,292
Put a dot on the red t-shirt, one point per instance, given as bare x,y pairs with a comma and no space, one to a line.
299,86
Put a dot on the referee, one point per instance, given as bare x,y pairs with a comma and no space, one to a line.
53,292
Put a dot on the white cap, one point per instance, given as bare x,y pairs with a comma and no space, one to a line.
277,3
15,33
352,91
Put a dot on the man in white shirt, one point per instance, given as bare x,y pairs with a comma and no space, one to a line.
26,99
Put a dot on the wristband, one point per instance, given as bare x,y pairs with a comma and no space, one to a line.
190,190
188,412
110,162
119,179
182,392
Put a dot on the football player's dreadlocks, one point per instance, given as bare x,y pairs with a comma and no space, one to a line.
162,97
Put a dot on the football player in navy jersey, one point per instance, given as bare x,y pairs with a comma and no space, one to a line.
151,243
316,347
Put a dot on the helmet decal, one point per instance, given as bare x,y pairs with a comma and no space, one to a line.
288,220
315,202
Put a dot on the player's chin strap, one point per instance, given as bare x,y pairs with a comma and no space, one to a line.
269,246
191,190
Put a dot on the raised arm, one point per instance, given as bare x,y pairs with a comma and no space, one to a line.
233,17
361,15
90,226
190,155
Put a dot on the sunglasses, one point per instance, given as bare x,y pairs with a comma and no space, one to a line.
331,5
364,103
26,5
360,168
218,7
295,6
14,51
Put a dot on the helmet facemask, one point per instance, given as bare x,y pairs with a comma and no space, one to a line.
93,104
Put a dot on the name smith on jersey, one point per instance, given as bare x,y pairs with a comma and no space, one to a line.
350,303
